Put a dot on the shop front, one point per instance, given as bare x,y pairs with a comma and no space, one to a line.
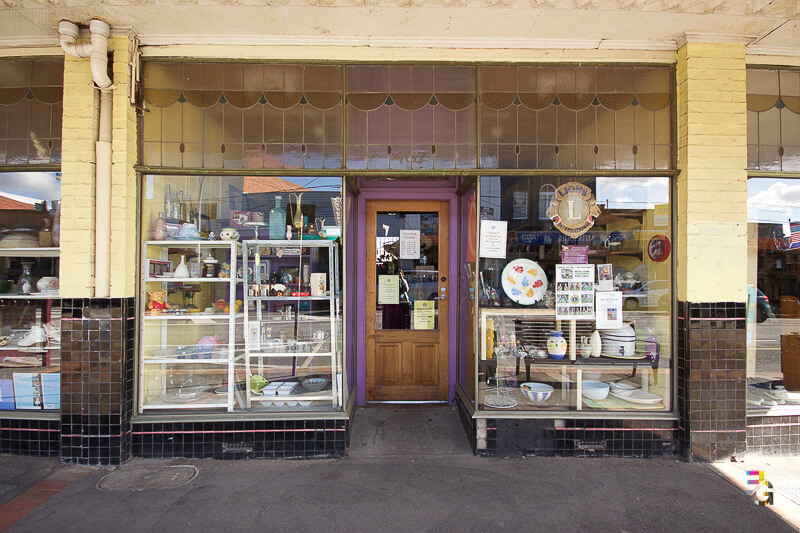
568,251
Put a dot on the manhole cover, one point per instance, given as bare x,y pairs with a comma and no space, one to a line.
137,478
6,488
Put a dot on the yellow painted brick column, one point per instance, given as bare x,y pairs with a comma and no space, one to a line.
79,133
123,177
712,186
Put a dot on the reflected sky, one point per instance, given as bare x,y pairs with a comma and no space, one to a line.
35,186
773,201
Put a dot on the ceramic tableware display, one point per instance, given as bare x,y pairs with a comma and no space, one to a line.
595,390
619,342
524,281
556,345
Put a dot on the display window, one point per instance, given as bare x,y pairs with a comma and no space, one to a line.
30,309
574,291
241,297
773,294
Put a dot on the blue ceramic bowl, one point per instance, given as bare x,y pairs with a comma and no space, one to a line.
536,392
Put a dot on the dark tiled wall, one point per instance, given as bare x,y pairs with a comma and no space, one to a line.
39,438
581,438
97,369
712,360
300,439
773,435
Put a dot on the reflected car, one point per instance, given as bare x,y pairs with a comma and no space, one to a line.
763,308
652,294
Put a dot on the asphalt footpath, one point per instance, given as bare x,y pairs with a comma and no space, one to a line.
398,491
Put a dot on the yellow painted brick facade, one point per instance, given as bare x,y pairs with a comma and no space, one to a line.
79,130
712,186
123,177
77,180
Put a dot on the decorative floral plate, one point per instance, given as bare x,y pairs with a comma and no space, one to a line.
524,281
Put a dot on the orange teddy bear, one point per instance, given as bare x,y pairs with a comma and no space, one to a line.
157,301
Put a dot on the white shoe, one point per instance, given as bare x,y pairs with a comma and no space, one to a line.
34,340
53,333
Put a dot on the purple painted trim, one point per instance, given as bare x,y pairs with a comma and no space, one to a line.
361,274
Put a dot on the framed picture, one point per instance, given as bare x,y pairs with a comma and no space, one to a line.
240,218
288,275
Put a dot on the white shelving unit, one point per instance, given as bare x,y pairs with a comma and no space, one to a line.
181,352
311,338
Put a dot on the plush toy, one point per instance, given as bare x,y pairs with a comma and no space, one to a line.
157,301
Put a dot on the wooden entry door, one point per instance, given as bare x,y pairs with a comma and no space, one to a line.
407,323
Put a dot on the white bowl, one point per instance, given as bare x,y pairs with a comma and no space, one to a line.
595,390
536,392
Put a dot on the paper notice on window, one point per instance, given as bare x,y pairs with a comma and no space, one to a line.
609,310
388,290
51,391
493,239
575,292
661,215
409,244
424,314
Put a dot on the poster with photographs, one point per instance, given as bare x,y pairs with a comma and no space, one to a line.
575,292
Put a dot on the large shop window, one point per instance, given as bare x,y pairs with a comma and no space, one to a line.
241,296
575,306
30,309
773,289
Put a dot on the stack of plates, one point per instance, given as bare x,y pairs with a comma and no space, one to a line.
619,342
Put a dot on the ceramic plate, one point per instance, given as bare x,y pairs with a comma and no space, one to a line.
524,281
637,396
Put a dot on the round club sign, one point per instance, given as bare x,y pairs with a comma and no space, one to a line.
573,209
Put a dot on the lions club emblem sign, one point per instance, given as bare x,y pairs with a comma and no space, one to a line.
573,209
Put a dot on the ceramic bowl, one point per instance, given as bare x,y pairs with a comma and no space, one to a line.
536,392
595,390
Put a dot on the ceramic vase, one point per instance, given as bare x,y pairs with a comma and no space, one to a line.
556,345
585,349
182,271
595,343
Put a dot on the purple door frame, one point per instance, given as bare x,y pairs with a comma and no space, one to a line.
448,195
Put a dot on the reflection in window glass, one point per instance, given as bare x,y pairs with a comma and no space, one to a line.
522,364
30,311
773,289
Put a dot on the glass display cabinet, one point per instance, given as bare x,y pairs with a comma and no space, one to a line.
189,310
293,324
529,360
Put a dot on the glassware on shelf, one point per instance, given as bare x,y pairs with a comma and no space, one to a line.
160,228
277,220
26,279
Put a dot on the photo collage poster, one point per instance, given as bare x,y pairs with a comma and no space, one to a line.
575,292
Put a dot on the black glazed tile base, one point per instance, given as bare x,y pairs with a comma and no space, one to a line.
38,438
584,438
773,435
711,381
97,371
283,439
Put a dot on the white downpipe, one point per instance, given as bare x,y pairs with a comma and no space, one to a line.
97,51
